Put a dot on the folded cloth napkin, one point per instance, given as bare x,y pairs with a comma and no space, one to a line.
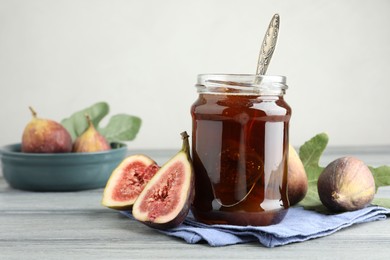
297,226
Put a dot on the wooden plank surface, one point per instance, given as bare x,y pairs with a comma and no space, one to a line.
74,225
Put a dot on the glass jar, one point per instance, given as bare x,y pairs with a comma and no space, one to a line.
240,130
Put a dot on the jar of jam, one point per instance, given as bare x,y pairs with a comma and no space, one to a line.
240,131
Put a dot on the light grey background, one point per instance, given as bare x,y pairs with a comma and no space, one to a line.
142,57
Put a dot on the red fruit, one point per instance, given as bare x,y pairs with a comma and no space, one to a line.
297,178
127,181
346,184
45,136
166,199
91,140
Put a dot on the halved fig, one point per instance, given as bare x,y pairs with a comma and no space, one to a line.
166,199
128,180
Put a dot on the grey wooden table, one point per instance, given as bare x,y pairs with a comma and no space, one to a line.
73,225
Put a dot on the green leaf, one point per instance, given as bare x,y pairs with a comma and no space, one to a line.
381,175
76,124
383,202
121,127
310,153
382,178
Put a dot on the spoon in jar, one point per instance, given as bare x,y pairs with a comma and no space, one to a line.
268,45
266,51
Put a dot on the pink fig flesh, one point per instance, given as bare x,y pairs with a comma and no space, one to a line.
127,181
166,199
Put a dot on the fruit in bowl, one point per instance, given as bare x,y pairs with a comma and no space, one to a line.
59,171
91,140
75,154
45,136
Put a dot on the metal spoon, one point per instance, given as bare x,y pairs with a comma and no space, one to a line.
268,45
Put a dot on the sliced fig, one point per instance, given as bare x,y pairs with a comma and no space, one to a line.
166,199
127,181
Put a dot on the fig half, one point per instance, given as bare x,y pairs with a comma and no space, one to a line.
346,184
166,199
128,180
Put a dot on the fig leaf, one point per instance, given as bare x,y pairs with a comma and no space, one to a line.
310,153
382,178
76,123
121,127
381,175
383,202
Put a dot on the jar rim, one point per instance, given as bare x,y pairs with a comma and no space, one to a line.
241,84
244,77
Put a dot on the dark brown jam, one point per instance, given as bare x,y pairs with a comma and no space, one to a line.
240,150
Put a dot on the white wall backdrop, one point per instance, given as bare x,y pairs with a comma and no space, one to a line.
142,57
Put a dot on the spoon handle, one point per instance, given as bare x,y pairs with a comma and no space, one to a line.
268,45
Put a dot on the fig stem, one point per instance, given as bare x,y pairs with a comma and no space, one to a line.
186,145
34,114
89,120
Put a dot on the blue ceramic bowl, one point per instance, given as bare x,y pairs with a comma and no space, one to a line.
59,171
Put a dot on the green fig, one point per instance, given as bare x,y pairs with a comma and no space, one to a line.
91,140
45,136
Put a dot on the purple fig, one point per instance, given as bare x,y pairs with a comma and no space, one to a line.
45,136
297,178
346,184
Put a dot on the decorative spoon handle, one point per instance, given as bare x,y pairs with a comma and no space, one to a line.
268,45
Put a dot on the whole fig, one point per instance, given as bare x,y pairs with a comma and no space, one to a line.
45,136
91,140
346,184
297,179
